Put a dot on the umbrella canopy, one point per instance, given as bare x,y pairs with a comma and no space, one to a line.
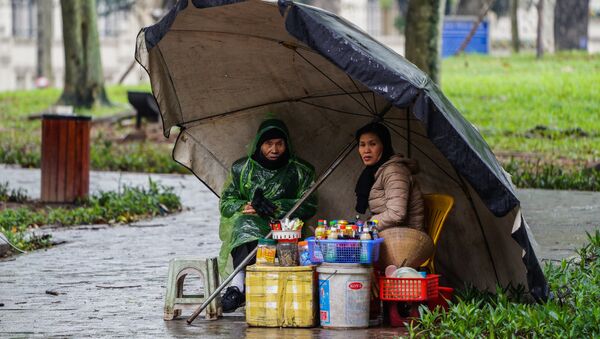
220,67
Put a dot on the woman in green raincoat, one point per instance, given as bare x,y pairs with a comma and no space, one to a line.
262,186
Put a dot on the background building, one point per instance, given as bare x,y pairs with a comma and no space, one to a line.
119,21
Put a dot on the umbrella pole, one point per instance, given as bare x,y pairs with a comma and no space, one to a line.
345,152
408,116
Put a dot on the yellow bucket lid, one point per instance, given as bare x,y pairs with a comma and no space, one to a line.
268,268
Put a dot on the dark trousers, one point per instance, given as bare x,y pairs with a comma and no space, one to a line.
241,252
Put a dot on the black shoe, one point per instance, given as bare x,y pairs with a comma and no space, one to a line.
232,299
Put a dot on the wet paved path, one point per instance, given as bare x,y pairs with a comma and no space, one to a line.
111,279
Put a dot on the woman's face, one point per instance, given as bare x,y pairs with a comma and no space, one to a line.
370,148
272,149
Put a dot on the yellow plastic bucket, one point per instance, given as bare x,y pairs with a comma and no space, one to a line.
281,296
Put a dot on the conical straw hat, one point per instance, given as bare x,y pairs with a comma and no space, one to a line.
403,246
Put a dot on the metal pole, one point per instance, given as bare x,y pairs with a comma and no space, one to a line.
343,154
408,116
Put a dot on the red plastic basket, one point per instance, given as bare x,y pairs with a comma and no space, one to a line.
408,289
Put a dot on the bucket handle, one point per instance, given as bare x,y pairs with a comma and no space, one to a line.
329,277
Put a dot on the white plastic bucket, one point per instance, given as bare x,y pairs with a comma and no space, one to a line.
344,295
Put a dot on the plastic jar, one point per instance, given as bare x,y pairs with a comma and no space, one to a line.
303,253
265,253
287,252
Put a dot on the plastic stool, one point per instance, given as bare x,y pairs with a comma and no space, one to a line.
398,320
175,300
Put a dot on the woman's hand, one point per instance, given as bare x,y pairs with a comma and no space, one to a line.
248,209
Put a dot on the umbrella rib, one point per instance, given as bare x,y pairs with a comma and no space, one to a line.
170,80
220,115
406,129
209,151
425,154
260,37
335,83
401,119
333,109
334,94
374,101
358,90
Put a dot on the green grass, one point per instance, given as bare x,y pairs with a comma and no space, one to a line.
550,176
17,195
541,117
16,105
573,312
505,97
134,157
127,205
20,138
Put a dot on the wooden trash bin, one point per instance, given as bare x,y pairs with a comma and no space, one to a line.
65,157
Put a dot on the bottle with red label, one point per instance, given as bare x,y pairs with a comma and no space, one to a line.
321,231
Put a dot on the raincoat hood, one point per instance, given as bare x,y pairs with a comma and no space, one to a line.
266,126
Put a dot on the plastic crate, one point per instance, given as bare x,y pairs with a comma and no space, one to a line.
408,289
344,251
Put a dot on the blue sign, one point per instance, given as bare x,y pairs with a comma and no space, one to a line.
324,304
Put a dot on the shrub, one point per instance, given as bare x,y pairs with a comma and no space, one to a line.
573,312
127,205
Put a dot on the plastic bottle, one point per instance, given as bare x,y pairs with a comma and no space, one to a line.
265,254
365,235
357,220
371,227
333,234
330,248
320,231
344,230
355,232
375,233
303,253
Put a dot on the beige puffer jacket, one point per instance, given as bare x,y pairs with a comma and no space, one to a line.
395,198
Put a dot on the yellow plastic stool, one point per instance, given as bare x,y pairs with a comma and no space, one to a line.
175,300
437,207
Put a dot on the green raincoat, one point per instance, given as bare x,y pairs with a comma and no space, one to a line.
283,187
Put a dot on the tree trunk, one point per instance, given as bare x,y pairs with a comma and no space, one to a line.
514,25
84,80
94,80
548,29
423,35
571,24
540,30
44,41
387,20
470,7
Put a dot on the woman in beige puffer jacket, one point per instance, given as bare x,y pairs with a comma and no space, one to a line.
386,185
395,198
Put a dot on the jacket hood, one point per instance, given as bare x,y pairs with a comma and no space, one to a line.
266,126
412,164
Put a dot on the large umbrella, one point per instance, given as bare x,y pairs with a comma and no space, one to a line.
220,67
